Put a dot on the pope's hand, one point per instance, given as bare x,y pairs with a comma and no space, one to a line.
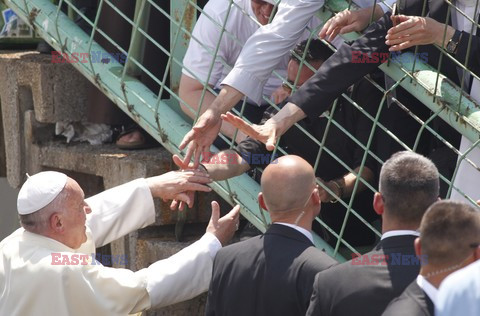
416,30
223,228
178,204
174,185
265,133
201,136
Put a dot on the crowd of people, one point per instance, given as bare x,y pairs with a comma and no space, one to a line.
424,262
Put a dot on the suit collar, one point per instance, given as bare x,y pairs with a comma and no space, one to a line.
392,233
396,242
302,230
420,296
428,288
289,232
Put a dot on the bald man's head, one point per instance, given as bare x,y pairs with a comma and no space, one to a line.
287,184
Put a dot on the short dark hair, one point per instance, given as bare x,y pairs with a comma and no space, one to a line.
449,232
316,51
409,184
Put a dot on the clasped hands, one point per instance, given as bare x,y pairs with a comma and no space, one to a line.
408,30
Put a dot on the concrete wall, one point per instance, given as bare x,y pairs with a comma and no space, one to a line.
8,209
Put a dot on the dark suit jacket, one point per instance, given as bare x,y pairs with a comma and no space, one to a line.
363,286
413,302
339,72
269,275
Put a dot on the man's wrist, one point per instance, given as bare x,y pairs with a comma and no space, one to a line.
287,117
448,37
226,99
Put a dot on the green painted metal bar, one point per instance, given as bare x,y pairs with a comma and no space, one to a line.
156,114
133,93
137,45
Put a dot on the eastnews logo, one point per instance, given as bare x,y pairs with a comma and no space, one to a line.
359,57
392,259
59,259
94,57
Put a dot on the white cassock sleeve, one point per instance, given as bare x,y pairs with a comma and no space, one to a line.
184,275
97,290
119,211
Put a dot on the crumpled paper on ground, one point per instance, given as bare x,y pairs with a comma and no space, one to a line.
95,134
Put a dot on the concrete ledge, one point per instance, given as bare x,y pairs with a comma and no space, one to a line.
56,92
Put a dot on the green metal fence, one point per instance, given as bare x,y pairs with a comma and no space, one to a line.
158,111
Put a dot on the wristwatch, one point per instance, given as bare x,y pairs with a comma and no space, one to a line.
452,44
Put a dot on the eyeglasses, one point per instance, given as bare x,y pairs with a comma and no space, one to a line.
288,85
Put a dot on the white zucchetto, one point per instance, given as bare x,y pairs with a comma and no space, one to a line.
39,190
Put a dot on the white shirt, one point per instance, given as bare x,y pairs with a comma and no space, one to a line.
468,178
428,288
31,284
459,293
299,229
266,48
240,24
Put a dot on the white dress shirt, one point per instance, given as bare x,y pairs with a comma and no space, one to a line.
468,178
240,23
428,288
399,232
459,293
266,48
299,229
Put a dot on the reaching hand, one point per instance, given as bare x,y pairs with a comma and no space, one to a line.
175,185
324,195
223,228
416,30
347,21
264,133
279,95
201,136
178,204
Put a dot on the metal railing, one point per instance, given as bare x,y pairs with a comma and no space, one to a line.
158,112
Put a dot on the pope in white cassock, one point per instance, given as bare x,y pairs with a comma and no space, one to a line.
55,218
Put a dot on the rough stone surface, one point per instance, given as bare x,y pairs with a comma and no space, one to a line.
56,92
35,95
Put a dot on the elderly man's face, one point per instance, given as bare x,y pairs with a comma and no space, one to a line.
75,215
262,10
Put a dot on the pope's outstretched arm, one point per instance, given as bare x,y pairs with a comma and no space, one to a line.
128,207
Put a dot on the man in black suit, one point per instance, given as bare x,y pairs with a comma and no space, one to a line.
409,184
272,274
450,235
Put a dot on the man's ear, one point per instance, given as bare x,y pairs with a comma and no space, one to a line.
57,222
378,203
261,201
316,196
418,247
476,254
